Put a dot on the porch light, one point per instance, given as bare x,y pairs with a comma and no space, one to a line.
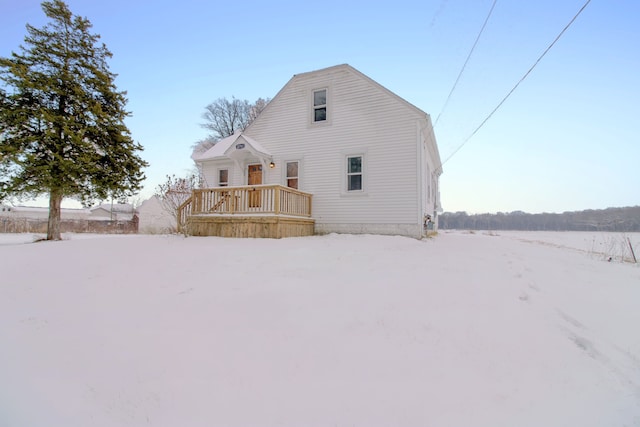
272,165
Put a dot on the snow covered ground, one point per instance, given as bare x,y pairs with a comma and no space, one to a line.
465,329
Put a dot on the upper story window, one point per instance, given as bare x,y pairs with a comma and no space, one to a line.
223,177
319,105
292,174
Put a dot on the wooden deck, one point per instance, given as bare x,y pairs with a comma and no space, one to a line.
269,211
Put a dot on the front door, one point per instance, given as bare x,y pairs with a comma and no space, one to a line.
255,178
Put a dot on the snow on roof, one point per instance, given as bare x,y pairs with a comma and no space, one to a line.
217,150
115,207
256,146
223,147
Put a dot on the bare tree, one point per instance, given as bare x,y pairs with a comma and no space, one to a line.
174,192
203,145
256,109
224,117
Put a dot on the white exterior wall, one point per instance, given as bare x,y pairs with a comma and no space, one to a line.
210,172
363,118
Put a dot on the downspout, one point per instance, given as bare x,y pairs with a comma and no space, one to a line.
420,189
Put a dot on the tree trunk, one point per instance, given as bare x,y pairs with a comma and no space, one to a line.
53,226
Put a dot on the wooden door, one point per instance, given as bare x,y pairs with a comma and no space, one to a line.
255,178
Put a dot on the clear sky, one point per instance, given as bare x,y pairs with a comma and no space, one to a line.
565,140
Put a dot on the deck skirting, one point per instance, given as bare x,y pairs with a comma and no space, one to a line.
273,227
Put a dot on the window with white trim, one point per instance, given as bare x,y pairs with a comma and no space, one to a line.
320,105
223,177
354,173
292,174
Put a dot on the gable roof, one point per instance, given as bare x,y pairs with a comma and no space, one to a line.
349,68
227,146
113,207
363,76
224,149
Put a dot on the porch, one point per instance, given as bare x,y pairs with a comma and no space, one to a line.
271,211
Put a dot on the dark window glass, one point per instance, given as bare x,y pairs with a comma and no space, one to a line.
223,177
319,98
320,105
355,164
355,182
292,174
354,173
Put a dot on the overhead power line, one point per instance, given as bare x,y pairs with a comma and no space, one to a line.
465,62
518,84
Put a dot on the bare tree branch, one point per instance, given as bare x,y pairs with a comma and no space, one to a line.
174,192
223,117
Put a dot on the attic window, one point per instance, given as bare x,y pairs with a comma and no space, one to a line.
319,105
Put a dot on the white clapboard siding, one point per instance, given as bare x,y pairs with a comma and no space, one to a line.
363,118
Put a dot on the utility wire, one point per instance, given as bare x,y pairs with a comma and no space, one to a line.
465,62
517,84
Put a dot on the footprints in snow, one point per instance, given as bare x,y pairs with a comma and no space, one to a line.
521,272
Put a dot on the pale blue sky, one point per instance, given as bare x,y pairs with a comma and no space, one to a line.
565,140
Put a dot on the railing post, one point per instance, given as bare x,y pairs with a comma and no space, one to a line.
232,202
184,211
195,208
276,199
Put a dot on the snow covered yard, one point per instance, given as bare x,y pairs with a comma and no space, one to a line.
513,329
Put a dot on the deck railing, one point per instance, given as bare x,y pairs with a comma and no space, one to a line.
184,212
246,200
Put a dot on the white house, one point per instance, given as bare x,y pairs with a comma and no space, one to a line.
366,159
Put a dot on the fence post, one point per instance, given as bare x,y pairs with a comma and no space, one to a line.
635,261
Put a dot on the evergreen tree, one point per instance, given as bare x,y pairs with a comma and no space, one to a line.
62,128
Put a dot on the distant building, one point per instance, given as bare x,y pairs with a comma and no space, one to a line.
33,212
154,219
112,212
104,218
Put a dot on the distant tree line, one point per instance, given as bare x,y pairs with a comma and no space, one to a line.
610,219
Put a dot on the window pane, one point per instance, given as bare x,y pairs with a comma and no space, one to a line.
223,177
320,114
320,97
292,183
355,164
292,169
355,182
